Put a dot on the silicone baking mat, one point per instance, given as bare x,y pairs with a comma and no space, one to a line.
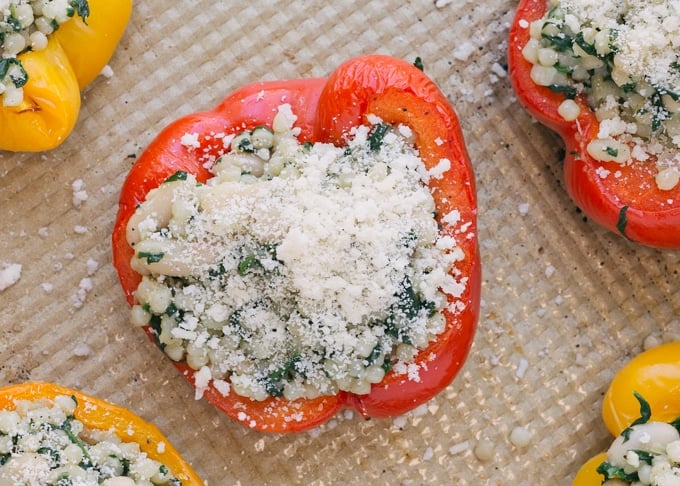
564,304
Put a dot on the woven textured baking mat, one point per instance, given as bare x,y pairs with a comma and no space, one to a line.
564,304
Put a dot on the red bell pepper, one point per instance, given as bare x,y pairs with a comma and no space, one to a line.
327,108
631,205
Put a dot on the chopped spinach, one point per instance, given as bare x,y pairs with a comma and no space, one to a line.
568,91
18,80
376,137
81,7
274,382
180,175
614,472
150,256
561,42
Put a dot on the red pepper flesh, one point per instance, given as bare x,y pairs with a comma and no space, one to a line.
326,109
630,204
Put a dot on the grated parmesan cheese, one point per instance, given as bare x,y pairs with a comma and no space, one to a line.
298,270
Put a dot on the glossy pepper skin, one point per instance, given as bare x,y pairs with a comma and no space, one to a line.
75,55
630,205
326,109
655,375
95,413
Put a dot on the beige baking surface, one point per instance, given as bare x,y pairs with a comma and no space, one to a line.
564,303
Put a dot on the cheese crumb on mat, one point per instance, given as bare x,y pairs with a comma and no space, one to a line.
10,273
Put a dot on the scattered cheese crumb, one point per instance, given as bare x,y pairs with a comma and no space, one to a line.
522,368
428,454
201,381
79,193
498,70
107,72
523,208
92,266
82,350
400,421
10,273
458,448
80,296
190,140
80,230
222,386
463,51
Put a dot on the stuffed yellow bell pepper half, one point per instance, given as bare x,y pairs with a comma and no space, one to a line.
49,51
642,410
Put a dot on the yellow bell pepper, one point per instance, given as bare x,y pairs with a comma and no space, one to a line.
76,53
655,376
95,413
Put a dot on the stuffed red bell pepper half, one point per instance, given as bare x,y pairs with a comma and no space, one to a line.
307,246
606,77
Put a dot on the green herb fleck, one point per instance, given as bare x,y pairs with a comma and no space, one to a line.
14,23
628,87
52,453
563,69
645,415
419,63
375,139
561,42
180,175
274,382
568,91
151,257
246,145
126,466
247,263
373,357
387,365
68,430
583,44
612,151
645,410
614,472
18,80
82,8
645,456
